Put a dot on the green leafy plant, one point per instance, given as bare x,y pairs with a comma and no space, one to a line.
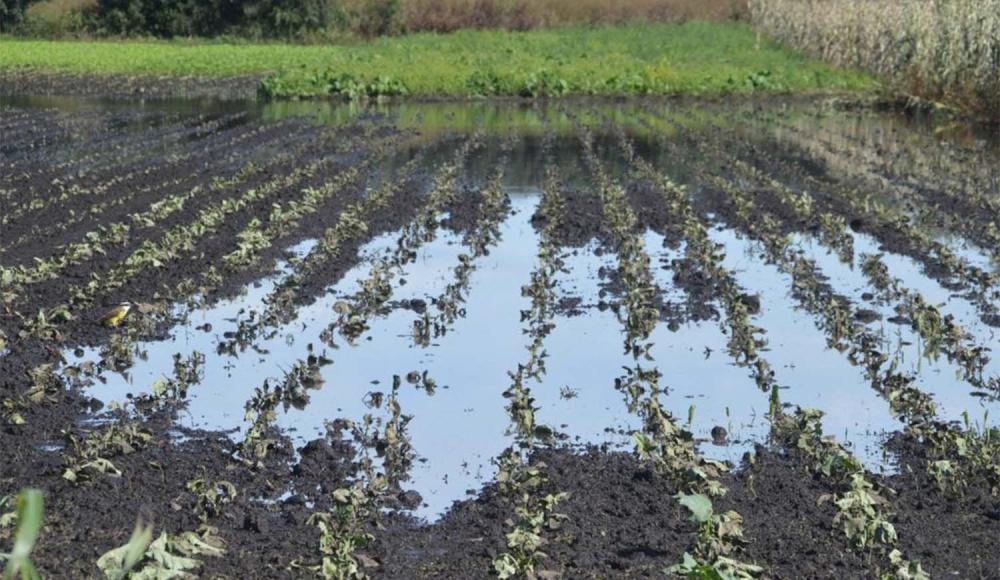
29,513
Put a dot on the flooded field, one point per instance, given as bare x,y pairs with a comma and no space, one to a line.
492,318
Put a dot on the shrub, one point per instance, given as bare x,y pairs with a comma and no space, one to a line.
380,18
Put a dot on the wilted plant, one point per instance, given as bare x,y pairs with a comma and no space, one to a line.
167,557
343,532
520,482
211,497
88,457
187,372
261,409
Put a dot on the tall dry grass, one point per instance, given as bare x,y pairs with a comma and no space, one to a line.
947,50
450,15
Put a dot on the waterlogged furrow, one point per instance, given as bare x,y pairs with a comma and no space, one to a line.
42,131
983,285
856,499
951,462
830,200
494,208
717,548
518,478
106,151
355,314
343,529
940,332
964,211
109,140
280,303
933,169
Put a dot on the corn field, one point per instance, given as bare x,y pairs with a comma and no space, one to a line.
940,49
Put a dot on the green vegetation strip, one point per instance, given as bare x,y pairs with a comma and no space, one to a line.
695,57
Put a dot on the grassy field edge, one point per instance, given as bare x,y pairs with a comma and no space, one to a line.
639,59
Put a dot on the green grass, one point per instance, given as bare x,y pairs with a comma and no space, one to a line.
695,57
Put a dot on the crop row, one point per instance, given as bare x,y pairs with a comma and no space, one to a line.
836,316
494,208
102,154
354,315
519,479
122,196
744,349
344,528
172,244
281,301
940,332
119,189
671,449
88,158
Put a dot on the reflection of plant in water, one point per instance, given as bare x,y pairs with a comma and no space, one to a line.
903,229
912,405
494,208
376,290
940,333
390,439
261,409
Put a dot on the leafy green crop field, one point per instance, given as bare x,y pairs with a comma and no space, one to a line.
695,58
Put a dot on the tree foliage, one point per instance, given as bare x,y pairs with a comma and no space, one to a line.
172,18
11,14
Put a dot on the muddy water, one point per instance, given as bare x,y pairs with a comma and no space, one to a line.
458,429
